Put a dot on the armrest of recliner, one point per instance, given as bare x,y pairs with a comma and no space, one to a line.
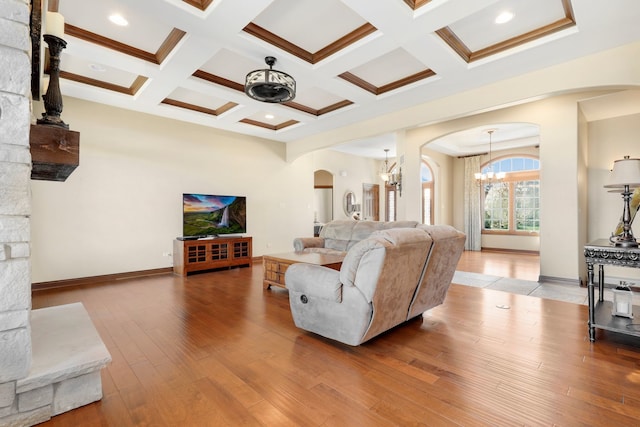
314,281
299,243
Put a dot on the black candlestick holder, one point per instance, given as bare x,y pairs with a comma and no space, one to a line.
53,97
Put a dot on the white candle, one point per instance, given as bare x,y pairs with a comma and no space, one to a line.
54,24
45,84
622,308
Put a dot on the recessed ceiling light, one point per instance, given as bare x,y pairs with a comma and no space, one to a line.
97,67
118,20
269,116
504,17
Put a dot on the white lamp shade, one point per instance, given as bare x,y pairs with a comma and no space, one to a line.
625,172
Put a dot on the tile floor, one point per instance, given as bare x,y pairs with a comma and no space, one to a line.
550,290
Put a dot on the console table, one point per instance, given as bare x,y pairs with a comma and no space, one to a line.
602,252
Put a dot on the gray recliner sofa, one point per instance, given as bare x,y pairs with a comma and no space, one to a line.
389,277
339,236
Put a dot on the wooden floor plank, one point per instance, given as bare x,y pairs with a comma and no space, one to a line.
217,349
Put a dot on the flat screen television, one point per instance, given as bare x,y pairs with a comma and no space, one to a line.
211,215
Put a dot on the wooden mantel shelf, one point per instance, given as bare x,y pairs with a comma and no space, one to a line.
55,152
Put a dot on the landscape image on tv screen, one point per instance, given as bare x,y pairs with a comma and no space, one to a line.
210,215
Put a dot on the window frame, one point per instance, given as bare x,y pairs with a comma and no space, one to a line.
510,179
388,191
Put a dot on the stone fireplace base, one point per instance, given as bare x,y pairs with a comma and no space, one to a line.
68,355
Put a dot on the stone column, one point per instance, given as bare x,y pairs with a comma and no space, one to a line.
15,170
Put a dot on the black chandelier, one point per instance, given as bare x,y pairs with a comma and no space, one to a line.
269,85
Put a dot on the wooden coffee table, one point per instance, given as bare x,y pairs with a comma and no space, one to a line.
276,265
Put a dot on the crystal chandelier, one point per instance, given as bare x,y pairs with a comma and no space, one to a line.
489,177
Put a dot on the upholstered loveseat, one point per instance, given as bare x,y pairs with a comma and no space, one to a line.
340,235
387,278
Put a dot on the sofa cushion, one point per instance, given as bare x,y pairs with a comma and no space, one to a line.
335,244
338,229
352,260
365,257
396,283
448,244
399,224
342,235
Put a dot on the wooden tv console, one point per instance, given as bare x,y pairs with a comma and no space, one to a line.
209,254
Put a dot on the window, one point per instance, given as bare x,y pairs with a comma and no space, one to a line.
513,205
496,207
390,205
426,176
527,205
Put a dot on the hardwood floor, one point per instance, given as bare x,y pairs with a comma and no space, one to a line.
515,265
215,349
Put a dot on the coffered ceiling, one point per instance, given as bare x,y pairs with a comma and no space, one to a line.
353,60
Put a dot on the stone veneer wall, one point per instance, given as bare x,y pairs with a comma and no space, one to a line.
50,359
15,171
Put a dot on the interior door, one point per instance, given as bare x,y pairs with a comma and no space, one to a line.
371,202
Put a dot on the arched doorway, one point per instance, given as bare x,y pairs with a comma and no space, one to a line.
500,215
322,199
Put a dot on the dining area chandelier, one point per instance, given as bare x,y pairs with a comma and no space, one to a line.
489,177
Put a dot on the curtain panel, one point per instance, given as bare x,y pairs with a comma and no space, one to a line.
472,206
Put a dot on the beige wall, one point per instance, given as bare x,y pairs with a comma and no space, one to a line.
349,173
583,186
121,209
443,170
609,140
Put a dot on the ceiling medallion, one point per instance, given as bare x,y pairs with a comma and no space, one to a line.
269,85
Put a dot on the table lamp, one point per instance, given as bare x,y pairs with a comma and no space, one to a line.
625,176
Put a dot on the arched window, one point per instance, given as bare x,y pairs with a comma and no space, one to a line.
426,176
512,206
